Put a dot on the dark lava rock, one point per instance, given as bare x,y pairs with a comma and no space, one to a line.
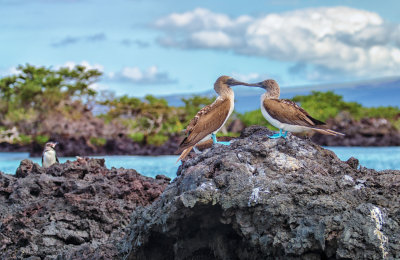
365,132
262,198
70,211
116,146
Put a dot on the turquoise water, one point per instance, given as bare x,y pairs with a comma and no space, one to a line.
379,158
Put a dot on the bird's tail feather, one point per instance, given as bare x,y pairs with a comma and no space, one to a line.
184,153
328,132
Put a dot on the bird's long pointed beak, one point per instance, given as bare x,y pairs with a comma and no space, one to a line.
258,84
234,82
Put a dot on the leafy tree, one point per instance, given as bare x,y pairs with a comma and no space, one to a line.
150,120
35,93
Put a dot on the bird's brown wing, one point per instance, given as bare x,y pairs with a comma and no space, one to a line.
206,121
287,111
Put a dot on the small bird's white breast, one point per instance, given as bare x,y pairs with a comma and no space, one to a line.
49,158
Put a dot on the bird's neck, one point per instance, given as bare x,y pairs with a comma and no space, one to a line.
272,94
226,92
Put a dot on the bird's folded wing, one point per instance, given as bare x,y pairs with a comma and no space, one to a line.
287,111
207,120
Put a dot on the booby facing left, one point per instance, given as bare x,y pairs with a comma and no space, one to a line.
210,119
286,114
49,156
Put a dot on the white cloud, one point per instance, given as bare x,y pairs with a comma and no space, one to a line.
139,76
334,40
250,77
72,64
201,19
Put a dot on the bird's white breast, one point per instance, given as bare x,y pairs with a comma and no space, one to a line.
49,158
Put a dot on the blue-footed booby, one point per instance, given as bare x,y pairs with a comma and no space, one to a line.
286,114
49,156
210,119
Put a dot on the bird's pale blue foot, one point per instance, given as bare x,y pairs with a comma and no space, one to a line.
214,138
280,134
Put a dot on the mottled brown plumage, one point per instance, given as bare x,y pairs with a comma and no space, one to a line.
287,111
286,114
210,118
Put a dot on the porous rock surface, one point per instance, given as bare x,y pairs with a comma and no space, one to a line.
262,198
73,210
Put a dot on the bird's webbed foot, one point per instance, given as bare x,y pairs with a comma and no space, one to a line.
224,143
214,138
280,134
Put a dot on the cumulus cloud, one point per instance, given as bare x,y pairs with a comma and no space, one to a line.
249,77
72,64
135,75
73,40
330,41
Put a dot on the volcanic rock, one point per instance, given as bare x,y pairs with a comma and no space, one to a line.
262,198
364,132
70,211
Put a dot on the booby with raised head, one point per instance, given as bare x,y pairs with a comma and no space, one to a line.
210,119
49,156
286,114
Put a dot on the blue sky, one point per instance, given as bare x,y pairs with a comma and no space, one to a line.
165,47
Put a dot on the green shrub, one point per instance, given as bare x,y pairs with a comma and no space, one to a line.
137,137
25,139
98,141
42,139
157,139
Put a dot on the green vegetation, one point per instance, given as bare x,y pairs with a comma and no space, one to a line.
39,102
42,139
324,105
98,141
24,139
150,121
137,137
254,118
37,94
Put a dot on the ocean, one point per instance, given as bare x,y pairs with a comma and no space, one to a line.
378,158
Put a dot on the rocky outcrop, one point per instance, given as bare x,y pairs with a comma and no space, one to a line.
365,132
70,211
262,198
114,146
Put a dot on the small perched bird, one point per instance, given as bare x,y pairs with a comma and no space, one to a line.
49,156
286,114
210,119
